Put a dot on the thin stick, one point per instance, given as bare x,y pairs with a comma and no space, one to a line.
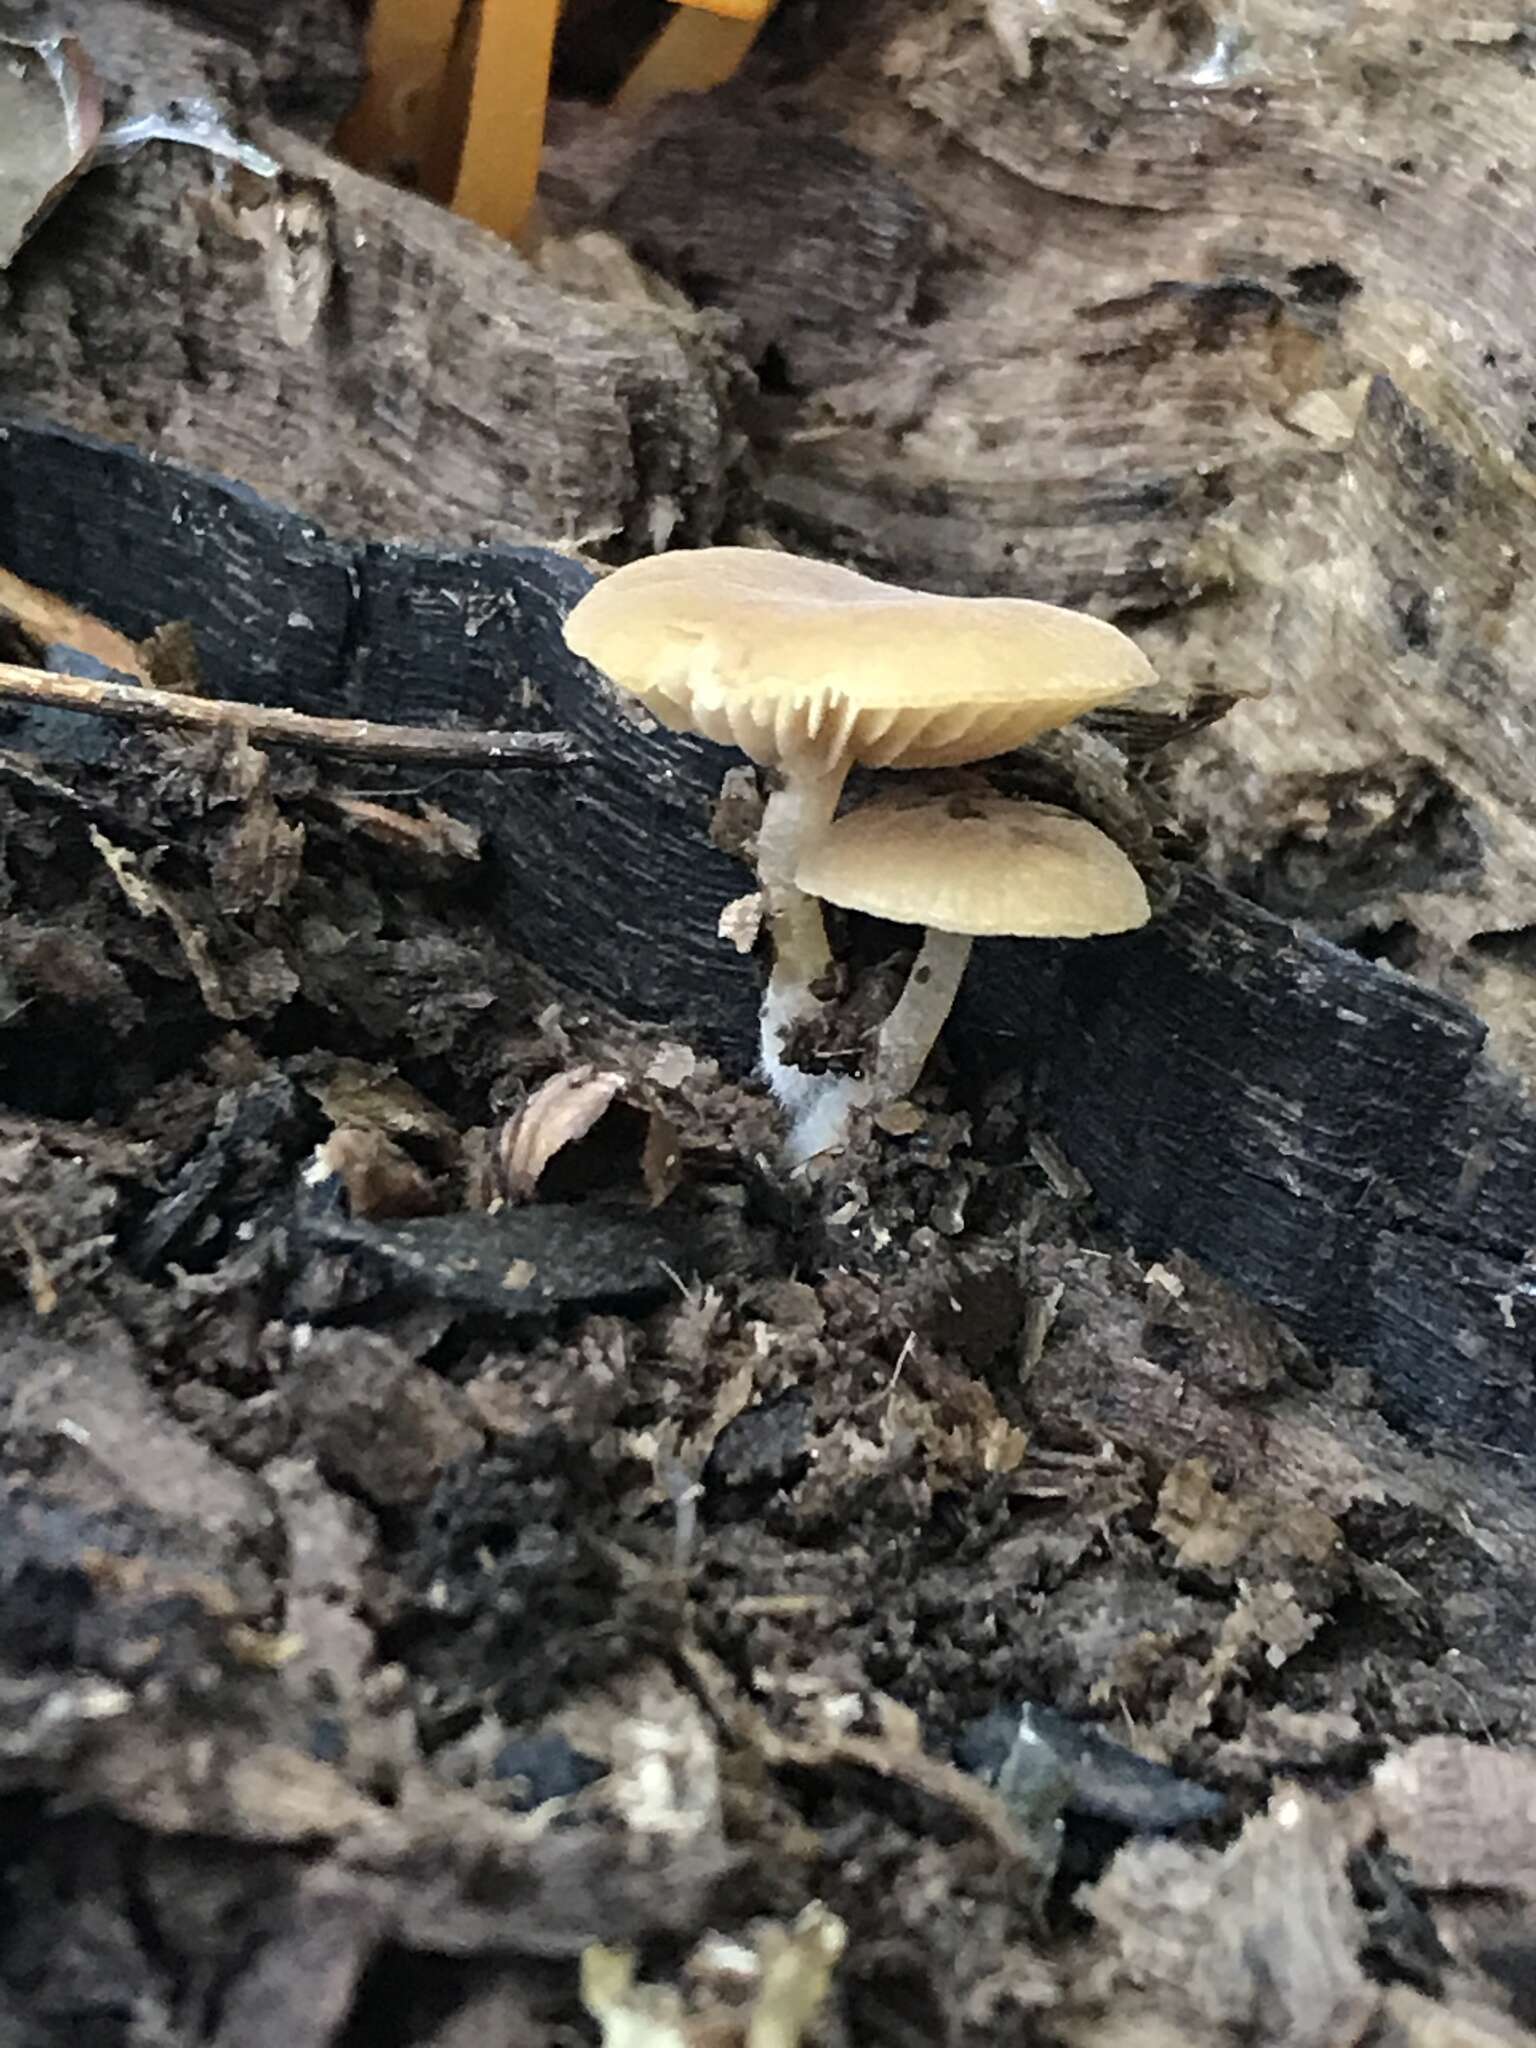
356,738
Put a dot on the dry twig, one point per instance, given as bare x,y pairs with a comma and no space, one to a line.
356,738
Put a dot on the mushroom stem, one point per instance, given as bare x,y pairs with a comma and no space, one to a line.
793,817
910,1032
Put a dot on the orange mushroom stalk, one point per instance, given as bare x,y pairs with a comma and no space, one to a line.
701,47
504,126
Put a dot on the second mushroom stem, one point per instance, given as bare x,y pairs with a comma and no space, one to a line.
820,1104
910,1031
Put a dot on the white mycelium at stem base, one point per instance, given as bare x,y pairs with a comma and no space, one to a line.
794,817
812,669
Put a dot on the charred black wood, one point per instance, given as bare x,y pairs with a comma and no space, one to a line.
1324,1132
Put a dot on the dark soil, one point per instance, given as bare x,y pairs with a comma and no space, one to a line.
403,1589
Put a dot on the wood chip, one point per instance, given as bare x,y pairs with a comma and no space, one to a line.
431,835
1461,1814
741,921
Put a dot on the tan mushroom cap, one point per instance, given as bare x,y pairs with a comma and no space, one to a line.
805,664
988,867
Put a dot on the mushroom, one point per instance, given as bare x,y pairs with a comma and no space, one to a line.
812,669
965,868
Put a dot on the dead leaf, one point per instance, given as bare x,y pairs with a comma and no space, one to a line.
261,856
1269,1924
257,986
901,1119
790,1976
1268,1625
380,1178
557,1113
353,1092
170,655
1215,1531
51,623
672,1065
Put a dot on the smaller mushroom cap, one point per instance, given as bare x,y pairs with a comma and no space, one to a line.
805,664
987,867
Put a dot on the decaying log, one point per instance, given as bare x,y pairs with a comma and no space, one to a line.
1083,301
352,349
309,54
1221,314
1216,316
1324,1131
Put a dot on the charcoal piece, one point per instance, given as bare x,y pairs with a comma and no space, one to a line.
1104,1780
763,1448
271,1114
520,1262
141,542
536,1768
566,856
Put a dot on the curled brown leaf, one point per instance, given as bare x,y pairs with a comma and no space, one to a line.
557,1113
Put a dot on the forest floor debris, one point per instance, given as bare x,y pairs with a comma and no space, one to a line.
407,1590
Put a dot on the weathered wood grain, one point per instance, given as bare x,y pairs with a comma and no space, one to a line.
309,54
1325,1132
352,349
1085,301
1220,315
